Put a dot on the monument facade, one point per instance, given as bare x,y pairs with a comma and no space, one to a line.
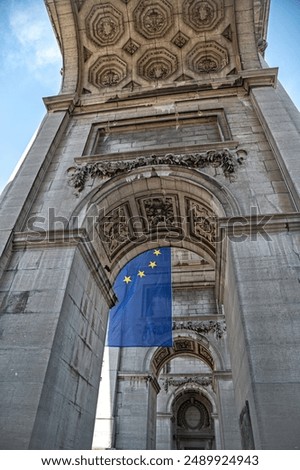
169,130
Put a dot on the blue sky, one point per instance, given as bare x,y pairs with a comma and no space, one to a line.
30,68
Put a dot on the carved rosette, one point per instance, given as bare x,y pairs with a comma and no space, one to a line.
107,71
104,24
131,46
203,15
207,57
157,64
202,221
153,18
180,39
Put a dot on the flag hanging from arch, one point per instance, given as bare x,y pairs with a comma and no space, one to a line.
142,315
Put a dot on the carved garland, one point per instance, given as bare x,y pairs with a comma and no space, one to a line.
217,327
170,381
225,159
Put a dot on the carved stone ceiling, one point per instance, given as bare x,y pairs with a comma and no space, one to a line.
132,44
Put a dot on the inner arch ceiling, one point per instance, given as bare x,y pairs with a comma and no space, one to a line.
128,46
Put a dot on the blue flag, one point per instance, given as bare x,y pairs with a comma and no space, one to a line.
143,313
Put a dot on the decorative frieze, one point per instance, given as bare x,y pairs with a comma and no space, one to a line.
203,381
202,327
226,159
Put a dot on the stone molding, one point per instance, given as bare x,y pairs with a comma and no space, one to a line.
227,160
238,225
139,378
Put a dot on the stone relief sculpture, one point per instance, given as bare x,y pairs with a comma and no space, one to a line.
226,159
204,327
197,380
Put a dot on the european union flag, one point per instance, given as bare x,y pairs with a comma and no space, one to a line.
143,313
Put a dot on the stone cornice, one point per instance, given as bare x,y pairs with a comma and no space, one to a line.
63,102
227,86
140,377
255,223
259,78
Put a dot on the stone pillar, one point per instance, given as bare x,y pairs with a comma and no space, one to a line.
262,314
227,433
164,438
51,358
281,124
136,401
104,433
17,198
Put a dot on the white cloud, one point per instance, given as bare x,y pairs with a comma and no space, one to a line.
32,40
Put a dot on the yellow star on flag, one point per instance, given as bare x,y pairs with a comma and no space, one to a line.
152,264
127,279
157,252
141,274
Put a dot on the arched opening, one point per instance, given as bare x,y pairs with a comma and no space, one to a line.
193,425
186,407
125,217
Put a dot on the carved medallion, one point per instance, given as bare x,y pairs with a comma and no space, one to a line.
203,15
153,19
104,24
207,57
107,71
157,64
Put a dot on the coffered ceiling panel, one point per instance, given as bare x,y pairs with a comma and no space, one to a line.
129,44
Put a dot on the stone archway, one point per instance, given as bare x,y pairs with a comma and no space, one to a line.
193,424
128,215
179,207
